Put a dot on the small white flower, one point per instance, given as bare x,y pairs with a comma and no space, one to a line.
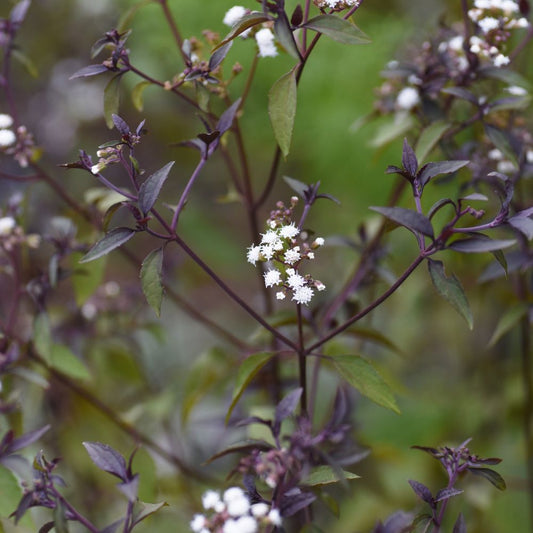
253,254
280,295
500,60
270,237
456,43
292,255
289,232
516,91
211,499
197,523
6,225
506,167
319,241
259,509
275,517
303,295
6,121
495,154
233,15
266,44
267,252
319,285
407,98
529,156
96,169
244,524
310,255
233,493
7,138
272,277
294,280
488,24
238,506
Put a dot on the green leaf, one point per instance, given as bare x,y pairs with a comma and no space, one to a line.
450,289
143,510
393,128
42,336
429,138
151,279
26,62
60,521
338,29
360,374
111,100
86,279
245,374
151,187
115,238
416,222
285,36
10,492
282,109
509,319
325,475
64,360
137,94
490,475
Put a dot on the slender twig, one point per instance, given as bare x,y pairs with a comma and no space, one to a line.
74,512
302,362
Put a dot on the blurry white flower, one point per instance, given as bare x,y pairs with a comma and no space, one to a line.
303,295
529,156
233,15
294,280
506,167
244,524
319,241
265,42
500,60
6,225
253,254
495,154
272,277
211,500
275,517
488,24
280,295
6,121
197,523
7,138
289,232
260,509
407,98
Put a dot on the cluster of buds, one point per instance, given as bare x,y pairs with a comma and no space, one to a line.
264,37
12,235
336,5
19,143
7,136
233,513
107,156
284,254
270,466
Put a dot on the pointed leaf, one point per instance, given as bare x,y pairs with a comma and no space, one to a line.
107,459
292,503
137,94
409,160
490,475
120,124
338,29
429,138
151,279
26,439
282,110
144,510
247,21
461,93
227,118
127,17
150,189
285,36
523,224
460,524
422,492
509,319
479,245
60,520
219,55
287,406
450,289
360,374
115,238
430,170
111,99
245,374
325,475
130,488
18,13
297,186
501,140
90,70
408,218
446,494
26,62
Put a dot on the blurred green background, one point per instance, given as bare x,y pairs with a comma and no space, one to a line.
450,385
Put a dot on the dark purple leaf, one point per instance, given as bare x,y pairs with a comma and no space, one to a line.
242,449
297,186
45,528
24,504
98,46
107,459
292,503
479,245
150,189
409,160
422,492
328,197
297,15
524,7
408,218
218,55
491,475
286,407
91,70
209,138
487,461
523,224
120,124
130,488
18,13
460,524
226,119
438,205
113,239
463,94
446,494
26,439
391,169
398,522
284,34
430,170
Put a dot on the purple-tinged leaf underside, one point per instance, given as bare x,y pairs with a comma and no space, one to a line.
151,187
113,239
412,220
338,29
107,459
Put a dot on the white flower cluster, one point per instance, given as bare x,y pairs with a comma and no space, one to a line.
336,4
407,98
280,249
107,156
7,136
264,37
233,513
505,166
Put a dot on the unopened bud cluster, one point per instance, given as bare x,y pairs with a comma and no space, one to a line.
12,235
233,513
108,156
284,253
18,143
